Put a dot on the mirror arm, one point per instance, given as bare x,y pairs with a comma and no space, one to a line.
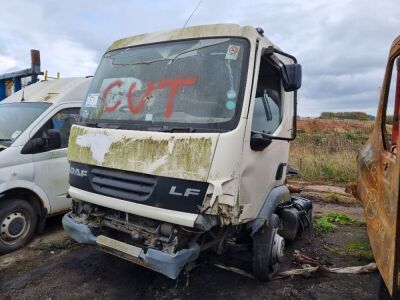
271,50
273,137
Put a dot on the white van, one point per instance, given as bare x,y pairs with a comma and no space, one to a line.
34,130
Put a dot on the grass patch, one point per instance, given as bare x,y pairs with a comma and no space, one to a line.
328,155
322,225
332,198
318,164
361,249
339,218
330,220
357,249
64,244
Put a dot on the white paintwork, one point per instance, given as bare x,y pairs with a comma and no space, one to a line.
60,90
166,215
258,168
46,173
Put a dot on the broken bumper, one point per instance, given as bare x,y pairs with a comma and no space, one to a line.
164,263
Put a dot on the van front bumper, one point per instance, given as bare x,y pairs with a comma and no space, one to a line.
164,263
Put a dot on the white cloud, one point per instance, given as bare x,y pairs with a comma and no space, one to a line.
69,58
342,45
7,64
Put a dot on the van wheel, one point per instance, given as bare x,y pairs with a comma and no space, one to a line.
267,250
18,221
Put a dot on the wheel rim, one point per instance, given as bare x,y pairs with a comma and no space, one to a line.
14,227
278,245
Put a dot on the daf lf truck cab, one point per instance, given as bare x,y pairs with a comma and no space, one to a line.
182,144
34,129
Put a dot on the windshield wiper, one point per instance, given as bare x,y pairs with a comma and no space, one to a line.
5,140
172,129
100,125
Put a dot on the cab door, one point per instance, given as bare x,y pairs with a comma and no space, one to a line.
378,178
51,168
270,113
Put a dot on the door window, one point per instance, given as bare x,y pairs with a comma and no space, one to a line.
267,113
63,120
391,111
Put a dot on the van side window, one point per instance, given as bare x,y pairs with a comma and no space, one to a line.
63,120
267,113
391,113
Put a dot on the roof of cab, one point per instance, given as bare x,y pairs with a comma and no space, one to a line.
216,30
53,91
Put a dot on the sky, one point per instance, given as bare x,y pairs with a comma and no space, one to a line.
342,45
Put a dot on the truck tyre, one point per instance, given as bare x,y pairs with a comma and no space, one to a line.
267,250
18,220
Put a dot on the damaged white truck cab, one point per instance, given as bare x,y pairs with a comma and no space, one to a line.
183,143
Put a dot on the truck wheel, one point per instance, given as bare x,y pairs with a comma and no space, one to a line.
18,221
267,250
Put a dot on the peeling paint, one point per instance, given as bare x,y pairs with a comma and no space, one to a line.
149,152
98,145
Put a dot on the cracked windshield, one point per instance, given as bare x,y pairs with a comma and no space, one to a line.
192,82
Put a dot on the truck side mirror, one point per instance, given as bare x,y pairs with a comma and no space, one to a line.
258,142
291,77
53,139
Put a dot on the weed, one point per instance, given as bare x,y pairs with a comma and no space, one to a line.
332,198
316,164
362,249
359,249
329,221
340,218
64,244
328,154
323,225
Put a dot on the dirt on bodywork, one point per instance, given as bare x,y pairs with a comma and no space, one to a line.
55,267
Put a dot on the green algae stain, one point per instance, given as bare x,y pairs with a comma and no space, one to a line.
135,154
188,158
75,152
192,155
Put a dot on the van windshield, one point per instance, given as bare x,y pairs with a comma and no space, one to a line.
16,117
194,83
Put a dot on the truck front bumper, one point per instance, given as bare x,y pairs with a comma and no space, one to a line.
164,263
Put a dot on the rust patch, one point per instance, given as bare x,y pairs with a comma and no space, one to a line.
378,190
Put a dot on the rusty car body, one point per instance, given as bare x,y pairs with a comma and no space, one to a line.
378,178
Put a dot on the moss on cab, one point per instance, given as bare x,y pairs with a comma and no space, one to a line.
187,158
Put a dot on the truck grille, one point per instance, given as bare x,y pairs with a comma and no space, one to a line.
120,184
